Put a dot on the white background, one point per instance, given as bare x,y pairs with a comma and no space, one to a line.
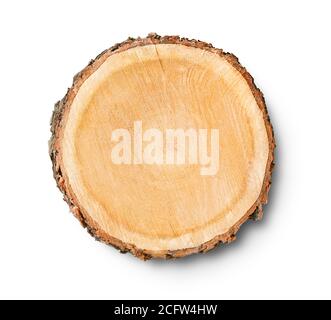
44,252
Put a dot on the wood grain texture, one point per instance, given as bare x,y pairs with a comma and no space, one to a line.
162,211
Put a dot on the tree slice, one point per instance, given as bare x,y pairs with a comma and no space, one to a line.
146,205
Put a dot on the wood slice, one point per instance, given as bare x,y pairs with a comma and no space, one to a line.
137,189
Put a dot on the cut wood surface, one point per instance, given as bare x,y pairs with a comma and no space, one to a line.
142,203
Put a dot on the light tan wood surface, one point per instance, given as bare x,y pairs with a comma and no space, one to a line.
161,209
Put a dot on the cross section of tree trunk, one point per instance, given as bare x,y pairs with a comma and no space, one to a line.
163,147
